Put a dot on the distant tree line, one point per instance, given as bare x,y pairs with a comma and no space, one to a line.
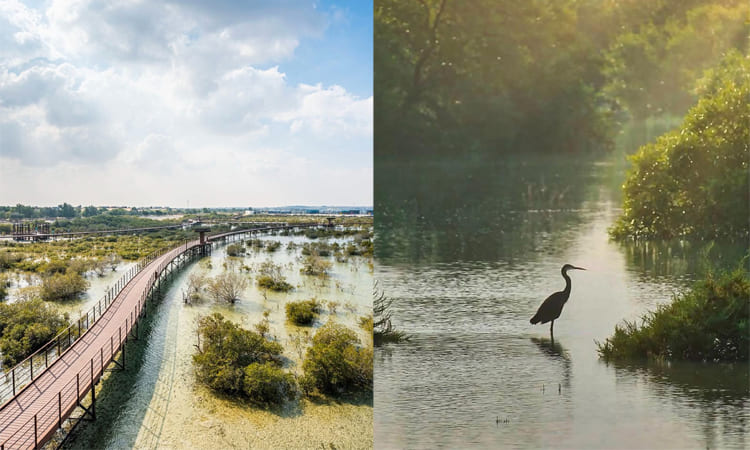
553,76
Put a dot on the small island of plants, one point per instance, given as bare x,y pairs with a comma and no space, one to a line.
708,323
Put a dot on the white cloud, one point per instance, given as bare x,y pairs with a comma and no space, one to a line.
156,92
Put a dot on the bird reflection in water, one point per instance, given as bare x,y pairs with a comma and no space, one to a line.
555,351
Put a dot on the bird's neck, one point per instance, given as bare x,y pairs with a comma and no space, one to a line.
567,283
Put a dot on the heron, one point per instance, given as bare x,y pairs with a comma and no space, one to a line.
553,305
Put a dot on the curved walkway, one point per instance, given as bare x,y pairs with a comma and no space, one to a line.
33,415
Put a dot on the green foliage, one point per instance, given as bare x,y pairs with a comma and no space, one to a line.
227,287
366,323
268,384
335,364
5,282
383,330
61,286
272,278
225,350
319,248
459,78
485,79
709,323
652,68
693,181
25,326
267,282
302,312
235,250
313,264
272,246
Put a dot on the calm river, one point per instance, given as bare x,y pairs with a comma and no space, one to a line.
469,252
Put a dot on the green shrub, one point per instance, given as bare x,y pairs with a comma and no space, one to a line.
271,277
25,326
335,364
266,383
366,323
302,312
235,250
267,282
313,264
693,181
708,323
227,286
65,286
225,350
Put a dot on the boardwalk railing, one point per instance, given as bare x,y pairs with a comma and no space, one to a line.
23,373
58,406
51,415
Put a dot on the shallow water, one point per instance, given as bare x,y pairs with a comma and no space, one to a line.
466,271
159,404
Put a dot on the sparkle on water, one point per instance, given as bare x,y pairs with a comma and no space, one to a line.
466,271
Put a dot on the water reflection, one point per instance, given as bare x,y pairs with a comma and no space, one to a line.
557,353
715,391
467,267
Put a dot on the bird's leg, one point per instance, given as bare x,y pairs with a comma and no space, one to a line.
551,333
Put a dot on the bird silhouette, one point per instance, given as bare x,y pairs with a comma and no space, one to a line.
553,305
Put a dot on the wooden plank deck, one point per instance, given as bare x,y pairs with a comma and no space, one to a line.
33,415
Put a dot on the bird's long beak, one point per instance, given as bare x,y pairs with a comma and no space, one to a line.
579,268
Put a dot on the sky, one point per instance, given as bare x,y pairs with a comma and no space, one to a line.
186,102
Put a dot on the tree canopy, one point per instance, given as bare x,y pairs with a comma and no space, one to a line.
550,76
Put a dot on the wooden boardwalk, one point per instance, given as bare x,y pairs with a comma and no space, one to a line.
37,409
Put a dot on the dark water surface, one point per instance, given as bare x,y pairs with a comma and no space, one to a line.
469,251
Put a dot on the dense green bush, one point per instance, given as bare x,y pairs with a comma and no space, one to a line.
694,181
271,277
235,250
25,326
302,312
335,364
709,323
63,286
268,384
234,360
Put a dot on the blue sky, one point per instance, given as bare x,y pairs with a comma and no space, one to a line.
349,38
160,102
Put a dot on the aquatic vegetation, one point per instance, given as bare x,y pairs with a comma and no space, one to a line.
272,246
313,264
383,331
234,360
5,282
227,286
302,312
708,323
63,286
26,326
366,323
271,277
693,181
336,364
320,248
268,384
235,250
